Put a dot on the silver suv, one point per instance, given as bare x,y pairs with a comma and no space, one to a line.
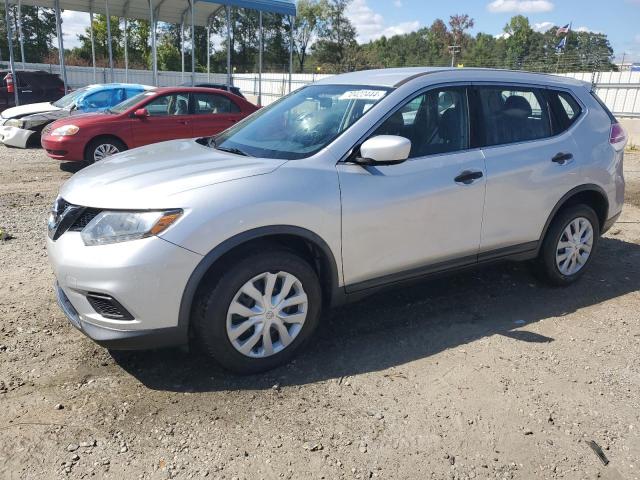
358,182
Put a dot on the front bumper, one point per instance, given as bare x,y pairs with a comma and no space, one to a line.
69,148
121,339
147,277
14,136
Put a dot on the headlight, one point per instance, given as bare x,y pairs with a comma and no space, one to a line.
14,122
112,227
65,130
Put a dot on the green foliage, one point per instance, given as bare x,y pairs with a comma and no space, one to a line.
38,30
324,41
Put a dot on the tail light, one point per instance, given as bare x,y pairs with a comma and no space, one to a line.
9,80
617,136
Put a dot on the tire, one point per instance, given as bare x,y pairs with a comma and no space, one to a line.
551,265
105,144
215,323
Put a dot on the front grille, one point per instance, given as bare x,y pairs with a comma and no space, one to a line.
108,307
46,129
69,217
83,220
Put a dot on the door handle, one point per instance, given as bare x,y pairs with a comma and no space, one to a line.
562,158
467,177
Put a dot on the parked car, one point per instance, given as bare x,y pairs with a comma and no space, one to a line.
150,117
33,86
218,86
23,124
359,182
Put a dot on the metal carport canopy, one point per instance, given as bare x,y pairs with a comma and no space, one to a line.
169,11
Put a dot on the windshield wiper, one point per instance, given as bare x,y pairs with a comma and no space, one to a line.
237,151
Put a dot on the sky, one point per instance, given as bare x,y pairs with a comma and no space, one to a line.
619,19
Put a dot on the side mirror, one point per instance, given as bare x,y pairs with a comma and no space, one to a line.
384,150
141,113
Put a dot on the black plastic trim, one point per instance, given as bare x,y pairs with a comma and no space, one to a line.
589,187
133,339
609,223
95,300
521,251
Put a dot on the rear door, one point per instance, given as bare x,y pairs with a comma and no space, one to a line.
168,119
528,167
213,113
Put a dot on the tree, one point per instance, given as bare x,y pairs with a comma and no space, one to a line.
519,33
338,36
38,30
310,19
460,24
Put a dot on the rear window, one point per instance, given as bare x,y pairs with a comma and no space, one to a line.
565,110
513,114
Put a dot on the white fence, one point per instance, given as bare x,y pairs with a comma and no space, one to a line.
619,90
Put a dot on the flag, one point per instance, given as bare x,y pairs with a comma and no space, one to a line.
561,44
564,29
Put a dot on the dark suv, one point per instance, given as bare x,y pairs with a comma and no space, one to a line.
33,86
219,86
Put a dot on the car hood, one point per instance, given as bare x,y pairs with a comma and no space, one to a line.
151,176
22,110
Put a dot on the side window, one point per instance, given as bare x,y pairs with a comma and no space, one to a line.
565,108
511,115
436,121
100,99
118,96
172,104
132,92
208,103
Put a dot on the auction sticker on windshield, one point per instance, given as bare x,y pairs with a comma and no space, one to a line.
363,95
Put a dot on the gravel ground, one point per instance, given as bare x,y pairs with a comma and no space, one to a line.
485,374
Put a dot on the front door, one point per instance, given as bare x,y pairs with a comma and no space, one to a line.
422,215
168,119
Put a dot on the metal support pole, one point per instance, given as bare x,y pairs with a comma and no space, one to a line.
290,51
126,53
11,65
182,49
154,61
228,46
261,33
109,40
209,52
93,43
63,68
20,36
193,42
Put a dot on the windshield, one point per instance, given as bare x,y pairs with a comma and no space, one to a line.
69,100
127,104
302,123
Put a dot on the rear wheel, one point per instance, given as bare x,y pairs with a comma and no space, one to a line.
103,147
260,312
569,245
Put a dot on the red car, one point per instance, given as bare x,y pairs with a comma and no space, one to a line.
152,116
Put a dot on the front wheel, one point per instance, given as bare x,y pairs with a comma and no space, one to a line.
569,245
101,148
260,311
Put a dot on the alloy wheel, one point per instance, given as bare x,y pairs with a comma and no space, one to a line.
267,314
